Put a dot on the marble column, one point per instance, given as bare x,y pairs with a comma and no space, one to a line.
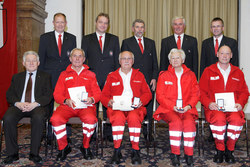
31,15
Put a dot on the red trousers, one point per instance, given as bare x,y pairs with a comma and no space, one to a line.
218,121
178,124
118,120
61,116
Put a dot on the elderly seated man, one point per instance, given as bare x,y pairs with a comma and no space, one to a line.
218,79
29,95
77,92
178,93
122,87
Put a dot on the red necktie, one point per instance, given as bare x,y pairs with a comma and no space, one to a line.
216,46
140,45
28,89
100,42
59,44
179,42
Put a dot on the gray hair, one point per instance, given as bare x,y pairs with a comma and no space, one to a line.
120,55
30,52
175,50
78,49
138,21
179,17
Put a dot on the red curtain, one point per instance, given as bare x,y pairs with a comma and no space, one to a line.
8,52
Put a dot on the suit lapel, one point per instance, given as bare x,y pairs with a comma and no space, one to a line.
184,43
211,45
54,42
173,42
136,47
96,42
146,46
38,80
22,82
106,42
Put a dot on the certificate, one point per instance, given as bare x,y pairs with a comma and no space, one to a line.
229,101
75,94
122,103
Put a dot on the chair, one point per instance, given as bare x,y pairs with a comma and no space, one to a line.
26,120
77,120
103,124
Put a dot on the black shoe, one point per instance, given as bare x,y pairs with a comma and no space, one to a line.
135,157
175,159
229,157
189,160
63,153
35,158
219,157
10,159
87,154
116,158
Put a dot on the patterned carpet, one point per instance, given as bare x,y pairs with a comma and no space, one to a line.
161,159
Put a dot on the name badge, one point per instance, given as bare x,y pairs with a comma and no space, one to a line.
168,83
214,78
115,83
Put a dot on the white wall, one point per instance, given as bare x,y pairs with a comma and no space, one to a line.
73,11
244,44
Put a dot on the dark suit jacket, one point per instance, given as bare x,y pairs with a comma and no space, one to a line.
146,62
189,45
101,63
50,61
208,56
43,89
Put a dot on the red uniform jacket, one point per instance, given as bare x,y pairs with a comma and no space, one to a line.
114,87
167,91
70,78
212,82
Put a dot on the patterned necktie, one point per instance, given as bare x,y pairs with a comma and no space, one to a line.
179,42
216,46
28,89
140,45
59,44
100,42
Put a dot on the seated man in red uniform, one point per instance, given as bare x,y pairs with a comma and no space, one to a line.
76,77
224,77
177,93
130,83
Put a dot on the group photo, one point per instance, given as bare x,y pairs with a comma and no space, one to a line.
124,83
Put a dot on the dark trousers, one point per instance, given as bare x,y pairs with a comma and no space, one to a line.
10,120
149,116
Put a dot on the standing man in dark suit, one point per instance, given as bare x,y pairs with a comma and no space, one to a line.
29,95
53,59
181,41
145,58
101,51
211,45
54,52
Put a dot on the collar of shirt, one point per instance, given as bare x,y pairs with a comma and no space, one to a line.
176,37
219,40
127,90
178,75
103,37
78,73
56,35
142,41
225,73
